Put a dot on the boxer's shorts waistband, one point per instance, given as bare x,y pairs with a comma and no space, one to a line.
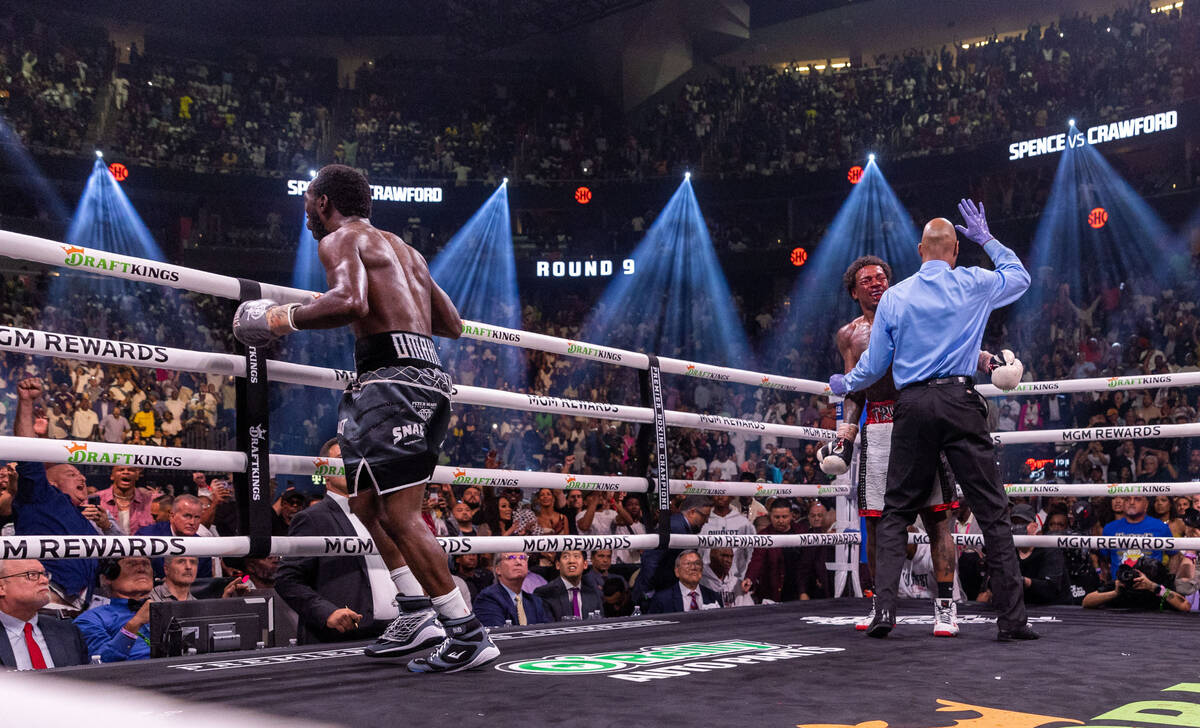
394,348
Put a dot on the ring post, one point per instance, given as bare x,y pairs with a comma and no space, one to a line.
253,438
652,395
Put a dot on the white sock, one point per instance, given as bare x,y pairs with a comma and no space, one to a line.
406,583
451,605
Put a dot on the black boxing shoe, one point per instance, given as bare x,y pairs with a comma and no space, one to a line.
885,620
1018,634
417,628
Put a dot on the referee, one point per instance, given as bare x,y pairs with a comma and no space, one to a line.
928,328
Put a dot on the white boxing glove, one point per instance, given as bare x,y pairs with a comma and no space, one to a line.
835,456
1006,370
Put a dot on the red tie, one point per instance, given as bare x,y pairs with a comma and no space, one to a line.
695,605
35,652
575,602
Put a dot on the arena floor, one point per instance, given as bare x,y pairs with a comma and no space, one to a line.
799,664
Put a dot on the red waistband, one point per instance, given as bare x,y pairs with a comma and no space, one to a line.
879,413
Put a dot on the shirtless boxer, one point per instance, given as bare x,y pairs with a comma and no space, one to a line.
393,417
866,279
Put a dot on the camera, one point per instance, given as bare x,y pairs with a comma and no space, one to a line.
1191,518
1126,575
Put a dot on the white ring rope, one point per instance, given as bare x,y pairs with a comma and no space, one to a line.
28,341
45,343
144,456
1087,490
49,252
98,547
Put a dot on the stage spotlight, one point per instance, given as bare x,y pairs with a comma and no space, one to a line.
106,220
479,273
870,158
687,176
99,154
1095,234
34,186
505,181
1071,122
312,174
870,222
678,303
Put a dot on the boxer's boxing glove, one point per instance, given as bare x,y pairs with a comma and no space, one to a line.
835,456
262,321
1006,370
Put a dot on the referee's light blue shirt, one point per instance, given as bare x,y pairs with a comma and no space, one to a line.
931,323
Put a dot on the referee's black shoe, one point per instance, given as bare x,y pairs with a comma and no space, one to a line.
1018,634
885,620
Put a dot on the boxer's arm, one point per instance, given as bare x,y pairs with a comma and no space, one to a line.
346,300
852,405
446,321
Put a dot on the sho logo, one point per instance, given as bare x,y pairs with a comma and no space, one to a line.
405,432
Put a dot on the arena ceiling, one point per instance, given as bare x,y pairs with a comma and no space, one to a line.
469,25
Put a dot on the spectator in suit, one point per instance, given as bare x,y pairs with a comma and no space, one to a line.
33,642
505,599
186,513
120,630
656,571
337,598
569,596
688,594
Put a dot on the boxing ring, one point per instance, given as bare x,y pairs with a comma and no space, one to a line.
800,662
796,664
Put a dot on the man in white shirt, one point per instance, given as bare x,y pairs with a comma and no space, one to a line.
629,522
597,517
722,469
84,422
695,466
32,642
728,519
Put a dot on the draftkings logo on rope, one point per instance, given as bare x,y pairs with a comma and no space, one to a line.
77,452
77,257
647,664
461,478
695,371
325,470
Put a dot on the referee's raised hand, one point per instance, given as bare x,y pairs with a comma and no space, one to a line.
977,227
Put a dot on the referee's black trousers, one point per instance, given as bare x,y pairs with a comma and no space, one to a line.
946,418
